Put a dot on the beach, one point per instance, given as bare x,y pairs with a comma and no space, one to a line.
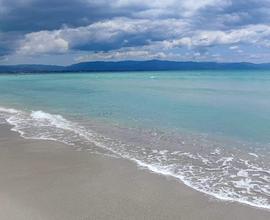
134,110
49,180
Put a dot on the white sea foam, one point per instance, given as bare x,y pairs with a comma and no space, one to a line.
215,173
253,154
242,173
51,120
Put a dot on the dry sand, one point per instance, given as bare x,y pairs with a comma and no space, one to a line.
48,180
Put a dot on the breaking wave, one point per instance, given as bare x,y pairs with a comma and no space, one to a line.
206,166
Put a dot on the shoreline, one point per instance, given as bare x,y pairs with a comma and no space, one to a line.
49,180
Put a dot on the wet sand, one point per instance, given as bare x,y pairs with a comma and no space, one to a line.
48,180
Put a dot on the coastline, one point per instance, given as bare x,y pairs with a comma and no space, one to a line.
49,180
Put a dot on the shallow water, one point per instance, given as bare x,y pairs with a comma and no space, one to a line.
209,129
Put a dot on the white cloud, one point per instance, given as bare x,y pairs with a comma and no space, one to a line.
158,36
146,53
234,47
59,41
43,42
192,6
253,34
110,30
127,54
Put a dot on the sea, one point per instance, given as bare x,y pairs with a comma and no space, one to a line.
209,129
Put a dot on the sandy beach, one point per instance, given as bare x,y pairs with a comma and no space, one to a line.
49,180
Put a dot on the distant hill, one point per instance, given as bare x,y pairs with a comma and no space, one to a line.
26,68
154,65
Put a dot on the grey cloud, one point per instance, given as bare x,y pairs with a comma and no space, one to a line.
102,36
58,26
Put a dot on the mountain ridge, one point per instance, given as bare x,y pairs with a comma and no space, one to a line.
129,65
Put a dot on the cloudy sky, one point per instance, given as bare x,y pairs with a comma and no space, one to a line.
70,31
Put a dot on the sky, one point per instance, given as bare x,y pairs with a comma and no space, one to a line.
63,32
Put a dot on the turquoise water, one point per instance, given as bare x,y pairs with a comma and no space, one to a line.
233,104
206,117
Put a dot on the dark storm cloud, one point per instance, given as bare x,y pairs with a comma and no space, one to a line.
35,15
9,41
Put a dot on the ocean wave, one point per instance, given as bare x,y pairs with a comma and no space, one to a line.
226,175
